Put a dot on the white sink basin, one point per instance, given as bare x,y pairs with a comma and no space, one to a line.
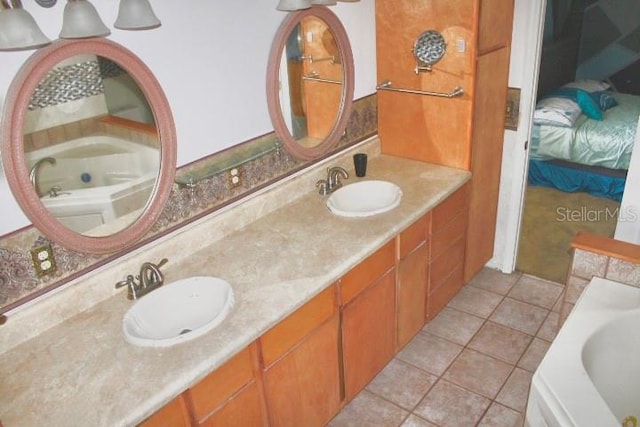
364,198
177,312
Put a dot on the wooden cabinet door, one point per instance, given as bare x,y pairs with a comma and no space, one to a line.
303,387
368,333
241,410
173,414
412,294
229,396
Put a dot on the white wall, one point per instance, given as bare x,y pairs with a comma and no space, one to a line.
210,58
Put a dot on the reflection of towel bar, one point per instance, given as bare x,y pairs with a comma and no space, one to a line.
386,85
315,77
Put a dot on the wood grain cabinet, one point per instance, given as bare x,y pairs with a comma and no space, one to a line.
448,243
230,395
305,368
412,280
173,414
368,318
466,131
302,365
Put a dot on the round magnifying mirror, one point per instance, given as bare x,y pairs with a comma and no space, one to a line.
429,48
88,145
310,82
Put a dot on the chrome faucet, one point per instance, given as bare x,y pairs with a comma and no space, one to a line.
149,278
33,173
332,183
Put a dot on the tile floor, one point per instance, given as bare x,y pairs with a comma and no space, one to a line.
471,365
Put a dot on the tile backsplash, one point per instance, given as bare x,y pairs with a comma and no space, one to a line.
208,193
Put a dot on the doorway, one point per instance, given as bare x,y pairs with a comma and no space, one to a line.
527,40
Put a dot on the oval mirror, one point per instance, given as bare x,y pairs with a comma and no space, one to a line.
88,144
310,82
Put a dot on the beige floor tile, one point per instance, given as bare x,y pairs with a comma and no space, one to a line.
534,354
402,384
494,280
536,291
476,301
415,421
519,315
516,390
454,325
501,416
478,373
549,328
500,342
367,409
449,405
430,353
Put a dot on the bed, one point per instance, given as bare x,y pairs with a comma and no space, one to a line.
582,139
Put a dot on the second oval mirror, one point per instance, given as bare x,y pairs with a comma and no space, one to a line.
310,82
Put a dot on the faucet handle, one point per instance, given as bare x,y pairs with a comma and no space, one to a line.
323,187
130,283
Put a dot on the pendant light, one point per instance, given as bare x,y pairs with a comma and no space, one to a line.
136,15
81,20
18,29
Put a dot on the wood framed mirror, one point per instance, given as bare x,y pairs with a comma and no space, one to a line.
310,82
88,144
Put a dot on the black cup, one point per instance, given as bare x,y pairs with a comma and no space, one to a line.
360,163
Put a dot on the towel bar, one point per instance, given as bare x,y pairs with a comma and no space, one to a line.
386,85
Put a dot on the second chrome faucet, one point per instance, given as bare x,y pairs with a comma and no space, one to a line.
332,183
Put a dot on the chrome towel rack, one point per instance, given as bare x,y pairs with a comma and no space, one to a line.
315,77
387,85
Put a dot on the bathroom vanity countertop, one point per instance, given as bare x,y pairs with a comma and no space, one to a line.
82,372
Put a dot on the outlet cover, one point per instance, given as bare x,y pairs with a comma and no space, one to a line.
43,260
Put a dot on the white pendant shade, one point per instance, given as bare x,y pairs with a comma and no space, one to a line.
325,2
291,5
136,15
18,30
81,20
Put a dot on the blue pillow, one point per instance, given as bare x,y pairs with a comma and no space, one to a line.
588,105
605,99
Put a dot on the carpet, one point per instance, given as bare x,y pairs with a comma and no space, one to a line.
550,220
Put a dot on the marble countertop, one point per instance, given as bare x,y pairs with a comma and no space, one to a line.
82,372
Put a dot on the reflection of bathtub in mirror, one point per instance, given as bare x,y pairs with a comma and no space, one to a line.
98,184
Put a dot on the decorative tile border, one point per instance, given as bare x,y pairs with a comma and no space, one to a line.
18,281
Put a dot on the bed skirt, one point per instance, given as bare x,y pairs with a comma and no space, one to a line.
572,177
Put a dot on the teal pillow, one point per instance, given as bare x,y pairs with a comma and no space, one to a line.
588,105
605,99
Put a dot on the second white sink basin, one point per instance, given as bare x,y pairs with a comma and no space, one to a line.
177,312
365,198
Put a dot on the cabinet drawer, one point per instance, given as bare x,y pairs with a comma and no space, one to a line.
446,290
244,409
173,414
413,236
442,266
218,386
445,211
448,234
282,337
367,272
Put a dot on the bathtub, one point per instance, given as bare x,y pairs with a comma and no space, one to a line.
590,375
100,179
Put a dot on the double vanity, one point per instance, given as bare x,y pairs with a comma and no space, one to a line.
322,302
